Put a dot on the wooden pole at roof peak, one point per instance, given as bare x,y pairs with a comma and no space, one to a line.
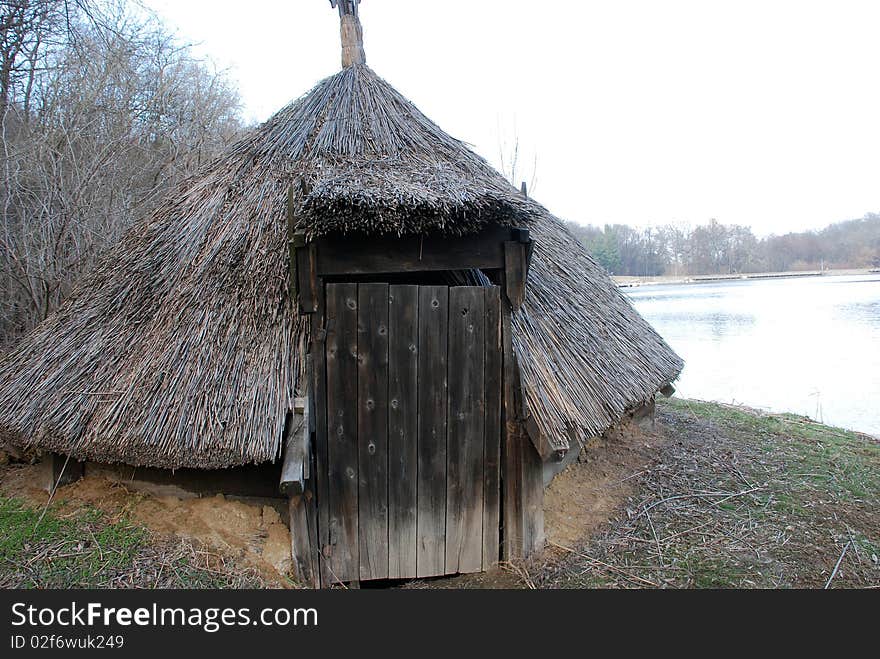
351,32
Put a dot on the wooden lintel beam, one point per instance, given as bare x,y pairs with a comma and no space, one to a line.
359,255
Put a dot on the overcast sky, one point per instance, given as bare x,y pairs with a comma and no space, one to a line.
765,113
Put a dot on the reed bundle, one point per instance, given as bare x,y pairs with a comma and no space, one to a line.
179,349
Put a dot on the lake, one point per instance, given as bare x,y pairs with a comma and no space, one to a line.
809,345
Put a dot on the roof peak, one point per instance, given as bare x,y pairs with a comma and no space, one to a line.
351,32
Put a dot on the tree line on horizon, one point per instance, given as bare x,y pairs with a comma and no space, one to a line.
715,248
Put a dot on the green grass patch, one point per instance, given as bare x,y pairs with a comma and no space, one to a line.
816,457
82,548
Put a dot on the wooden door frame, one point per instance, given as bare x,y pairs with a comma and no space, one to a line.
505,251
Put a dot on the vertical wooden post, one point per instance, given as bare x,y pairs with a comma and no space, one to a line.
494,431
511,481
63,470
303,534
318,331
522,476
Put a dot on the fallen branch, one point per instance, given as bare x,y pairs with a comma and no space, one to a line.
837,567
607,566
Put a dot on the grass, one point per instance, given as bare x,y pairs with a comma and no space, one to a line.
740,498
83,548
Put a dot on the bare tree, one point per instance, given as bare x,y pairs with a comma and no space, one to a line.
103,110
510,160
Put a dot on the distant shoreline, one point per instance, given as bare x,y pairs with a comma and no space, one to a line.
629,281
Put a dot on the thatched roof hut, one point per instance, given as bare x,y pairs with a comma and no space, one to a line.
181,349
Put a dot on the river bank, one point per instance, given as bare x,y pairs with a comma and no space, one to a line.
627,281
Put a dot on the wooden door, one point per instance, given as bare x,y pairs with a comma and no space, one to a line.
412,376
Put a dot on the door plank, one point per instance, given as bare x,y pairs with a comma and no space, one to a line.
342,448
431,520
372,412
403,416
466,430
492,455
317,324
511,458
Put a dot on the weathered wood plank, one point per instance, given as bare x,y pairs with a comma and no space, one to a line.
533,499
306,286
545,449
492,455
511,459
302,538
515,273
531,479
403,415
318,383
372,411
376,255
466,428
295,444
431,520
342,376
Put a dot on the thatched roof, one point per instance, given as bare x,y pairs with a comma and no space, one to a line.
180,348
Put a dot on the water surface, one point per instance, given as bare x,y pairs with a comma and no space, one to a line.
809,345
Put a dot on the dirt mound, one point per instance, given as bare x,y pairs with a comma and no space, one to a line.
250,529
591,491
582,499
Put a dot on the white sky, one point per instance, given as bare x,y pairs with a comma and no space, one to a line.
765,113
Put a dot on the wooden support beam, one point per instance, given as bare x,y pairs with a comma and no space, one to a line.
494,430
63,470
515,273
511,483
318,383
539,441
306,275
303,539
294,470
291,248
296,481
522,466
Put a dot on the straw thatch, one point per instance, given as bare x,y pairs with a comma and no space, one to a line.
180,348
